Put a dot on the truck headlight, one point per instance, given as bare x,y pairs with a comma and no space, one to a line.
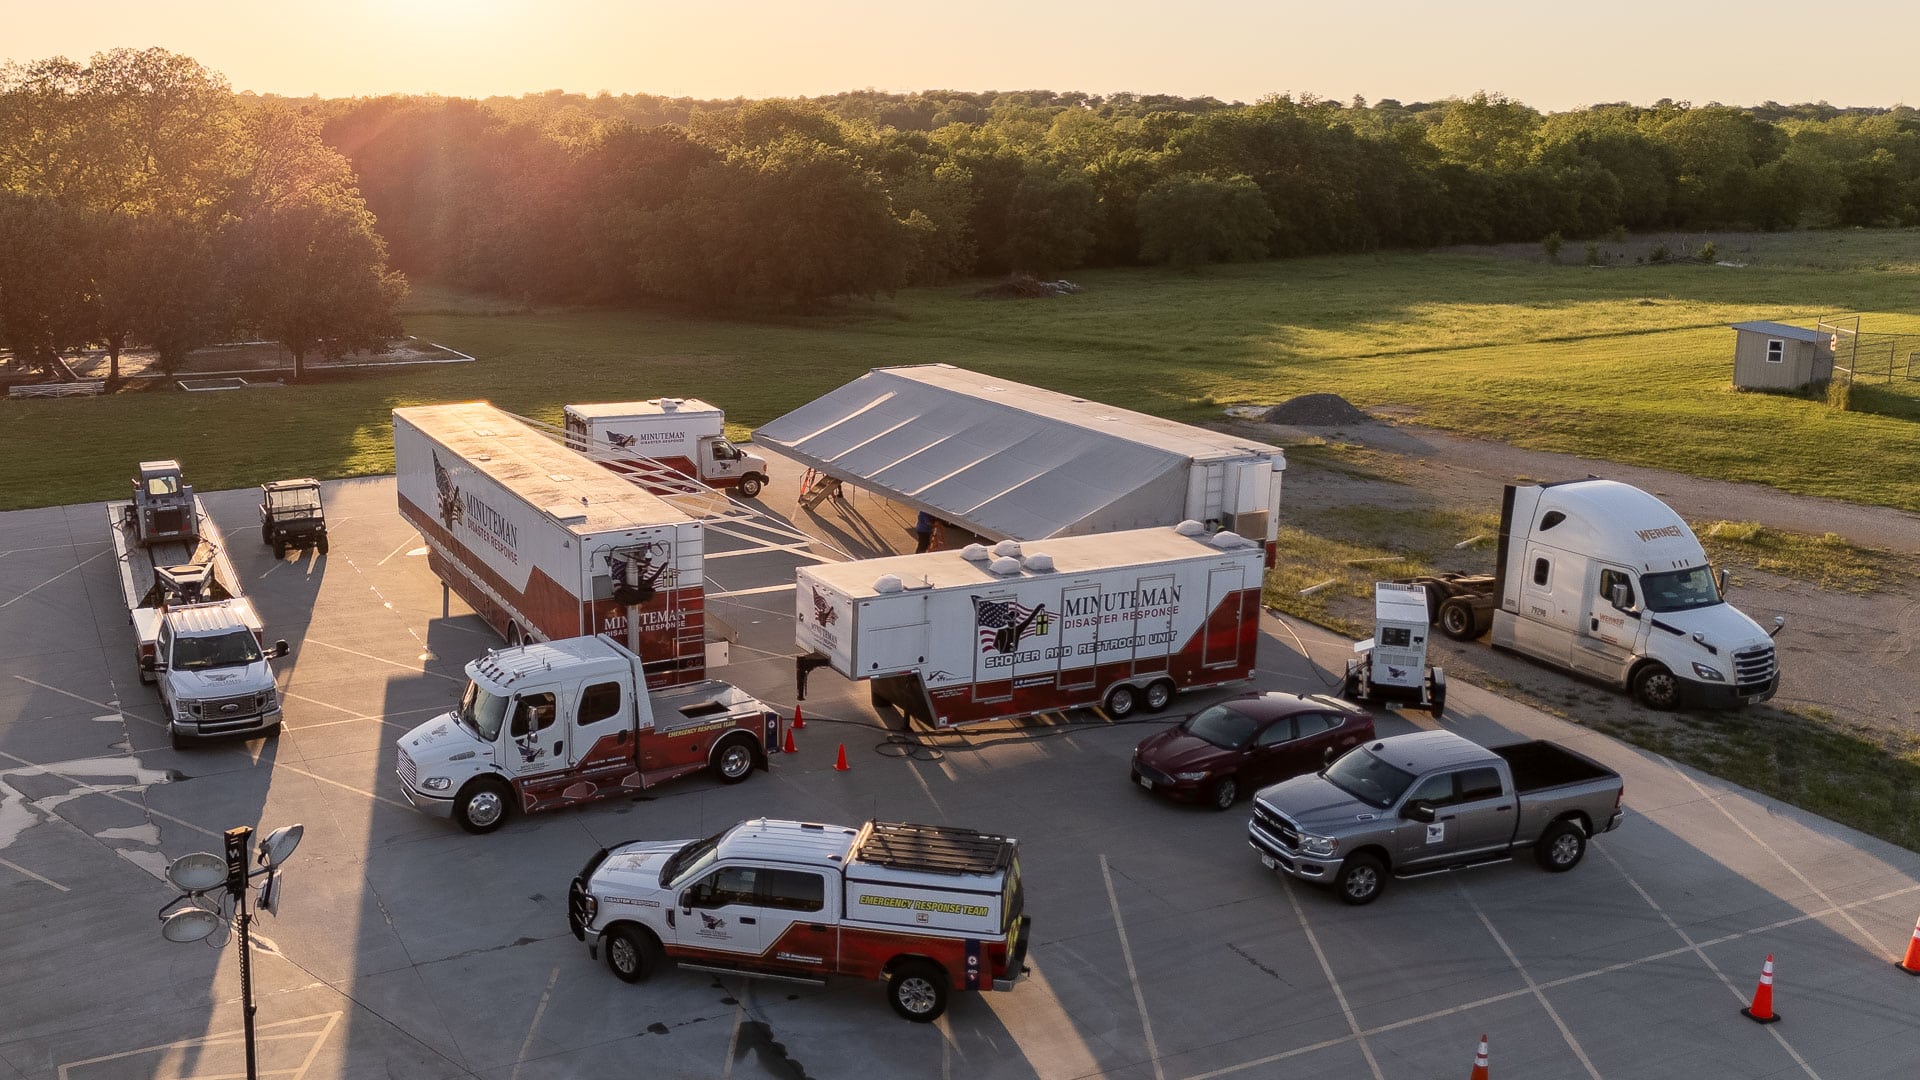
1201,775
437,783
192,707
1707,673
1318,845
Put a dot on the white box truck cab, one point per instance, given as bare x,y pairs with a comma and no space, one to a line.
686,435
560,723
1604,579
929,909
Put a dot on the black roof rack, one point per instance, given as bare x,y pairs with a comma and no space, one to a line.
941,849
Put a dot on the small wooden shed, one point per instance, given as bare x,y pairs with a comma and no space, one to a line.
1775,356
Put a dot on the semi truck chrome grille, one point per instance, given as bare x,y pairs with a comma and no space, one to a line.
408,771
1753,667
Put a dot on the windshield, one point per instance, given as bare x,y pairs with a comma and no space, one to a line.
1220,726
1368,779
236,648
482,711
692,859
1680,590
294,503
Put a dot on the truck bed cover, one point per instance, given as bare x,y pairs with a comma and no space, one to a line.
938,849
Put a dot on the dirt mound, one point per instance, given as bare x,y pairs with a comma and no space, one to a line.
1026,288
1316,410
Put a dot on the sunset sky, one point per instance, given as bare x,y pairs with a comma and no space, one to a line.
1551,56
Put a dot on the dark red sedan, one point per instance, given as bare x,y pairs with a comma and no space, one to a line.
1245,744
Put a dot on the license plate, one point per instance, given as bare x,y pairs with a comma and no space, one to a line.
1268,862
1752,699
1146,783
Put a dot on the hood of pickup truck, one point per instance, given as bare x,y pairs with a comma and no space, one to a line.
633,870
220,682
1317,806
439,740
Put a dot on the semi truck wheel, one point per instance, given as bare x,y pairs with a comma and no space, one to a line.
1457,621
633,954
1159,695
917,990
1361,879
1121,701
1656,687
733,761
481,806
750,485
1560,847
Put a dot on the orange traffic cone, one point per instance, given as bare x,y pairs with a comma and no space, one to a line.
799,722
789,748
1761,1011
1911,965
1480,1062
840,763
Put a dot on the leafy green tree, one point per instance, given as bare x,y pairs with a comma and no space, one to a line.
1486,131
1050,222
43,281
1189,221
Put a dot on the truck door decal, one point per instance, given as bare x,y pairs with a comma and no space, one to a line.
1437,832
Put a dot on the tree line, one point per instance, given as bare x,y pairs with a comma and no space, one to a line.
143,202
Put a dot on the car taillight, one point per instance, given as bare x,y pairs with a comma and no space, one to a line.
1620,796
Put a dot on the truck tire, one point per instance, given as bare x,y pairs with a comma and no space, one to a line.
1560,847
1457,621
482,805
266,533
917,990
1226,792
321,544
1159,695
1436,691
1361,880
1656,688
279,548
750,485
515,638
733,759
1121,701
633,954
1350,686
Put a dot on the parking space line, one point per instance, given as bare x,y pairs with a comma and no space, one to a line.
733,1036
338,784
1353,1023
379,659
233,1038
1324,1044
750,592
94,789
124,714
1698,951
55,577
412,541
533,1027
1133,976
42,880
1527,977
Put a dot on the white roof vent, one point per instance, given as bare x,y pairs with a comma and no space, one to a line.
1005,566
1190,527
1227,540
1007,547
567,514
668,404
1040,562
974,553
887,583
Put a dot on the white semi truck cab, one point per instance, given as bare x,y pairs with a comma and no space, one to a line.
686,435
1604,579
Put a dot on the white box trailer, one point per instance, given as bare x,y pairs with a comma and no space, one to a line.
545,544
685,435
1122,620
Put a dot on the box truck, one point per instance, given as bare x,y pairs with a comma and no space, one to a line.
545,544
1602,579
1122,620
194,633
684,435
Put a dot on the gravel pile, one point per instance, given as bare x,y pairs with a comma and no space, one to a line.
1316,410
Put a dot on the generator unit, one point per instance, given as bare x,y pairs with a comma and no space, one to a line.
1392,665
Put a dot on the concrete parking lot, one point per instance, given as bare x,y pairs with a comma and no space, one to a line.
1162,949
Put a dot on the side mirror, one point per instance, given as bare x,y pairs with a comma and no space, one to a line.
280,648
1725,576
1327,756
1620,595
1418,810
1779,624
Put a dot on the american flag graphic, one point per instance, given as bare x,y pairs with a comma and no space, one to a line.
1002,623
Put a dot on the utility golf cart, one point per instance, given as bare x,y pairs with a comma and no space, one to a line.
290,516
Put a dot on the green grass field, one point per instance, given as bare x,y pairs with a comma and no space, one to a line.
1631,363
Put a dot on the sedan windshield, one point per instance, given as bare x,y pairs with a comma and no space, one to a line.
482,711
234,649
1680,590
1220,726
1369,779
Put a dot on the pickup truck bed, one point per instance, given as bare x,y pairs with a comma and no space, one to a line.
1539,765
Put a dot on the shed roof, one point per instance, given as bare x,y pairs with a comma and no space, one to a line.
1779,330
1007,459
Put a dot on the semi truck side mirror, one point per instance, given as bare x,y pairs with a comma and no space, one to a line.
1418,810
1620,595
280,648
1779,624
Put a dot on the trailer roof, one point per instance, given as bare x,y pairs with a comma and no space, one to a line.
1004,458
1070,555
580,493
649,407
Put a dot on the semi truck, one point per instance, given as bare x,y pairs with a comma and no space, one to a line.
660,439
928,909
1122,620
195,634
1431,802
560,723
545,544
1605,580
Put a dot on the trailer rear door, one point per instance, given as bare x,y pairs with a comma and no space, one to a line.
1220,635
1153,630
1079,637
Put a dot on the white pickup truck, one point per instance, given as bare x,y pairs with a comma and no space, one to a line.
927,908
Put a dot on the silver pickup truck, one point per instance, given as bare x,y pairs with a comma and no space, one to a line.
1430,802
